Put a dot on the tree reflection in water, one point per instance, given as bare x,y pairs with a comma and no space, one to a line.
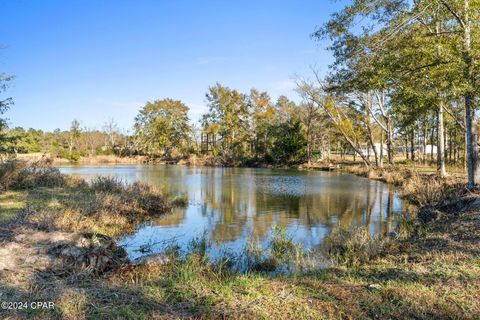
235,204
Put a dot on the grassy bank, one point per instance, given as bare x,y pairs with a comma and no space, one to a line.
431,269
49,200
98,159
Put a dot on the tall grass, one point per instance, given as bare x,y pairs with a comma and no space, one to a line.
420,189
57,201
180,200
433,190
107,184
279,254
352,247
18,174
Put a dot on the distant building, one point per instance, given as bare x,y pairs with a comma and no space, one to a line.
367,149
419,149
429,149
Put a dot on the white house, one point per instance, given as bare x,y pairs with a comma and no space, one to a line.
367,149
428,149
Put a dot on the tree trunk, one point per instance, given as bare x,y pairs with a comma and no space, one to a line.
441,142
446,139
233,147
471,125
387,127
440,125
432,143
374,147
369,129
472,149
424,144
309,144
265,145
454,146
412,145
407,155
450,147
390,141
380,165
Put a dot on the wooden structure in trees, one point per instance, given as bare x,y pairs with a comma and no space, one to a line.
208,142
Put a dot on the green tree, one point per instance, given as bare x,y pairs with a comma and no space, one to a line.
24,141
262,114
74,134
162,127
228,112
5,104
289,142
432,44
286,110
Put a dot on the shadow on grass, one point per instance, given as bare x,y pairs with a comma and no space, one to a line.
88,298
389,294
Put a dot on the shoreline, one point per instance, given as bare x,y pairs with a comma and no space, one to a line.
350,166
436,252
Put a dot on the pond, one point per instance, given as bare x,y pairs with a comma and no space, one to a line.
229,206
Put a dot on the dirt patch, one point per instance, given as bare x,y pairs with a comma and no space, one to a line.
28,249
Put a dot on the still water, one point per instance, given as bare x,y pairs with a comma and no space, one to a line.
231,205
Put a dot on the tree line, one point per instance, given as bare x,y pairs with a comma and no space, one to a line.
244,129
411,68
69,144
404,84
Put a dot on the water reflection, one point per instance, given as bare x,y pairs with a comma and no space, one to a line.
233,204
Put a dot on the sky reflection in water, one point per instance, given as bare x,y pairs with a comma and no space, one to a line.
232,205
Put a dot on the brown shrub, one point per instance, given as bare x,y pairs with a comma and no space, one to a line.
359,170
148,198
9,172
107,184
432,190
19,174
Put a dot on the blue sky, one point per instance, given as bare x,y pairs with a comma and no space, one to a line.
95,60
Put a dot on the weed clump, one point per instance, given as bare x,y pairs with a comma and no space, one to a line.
18,174
198,246
136,200
281,253
432,190
148,199
180,201
352,247
421,190
104,205
107,184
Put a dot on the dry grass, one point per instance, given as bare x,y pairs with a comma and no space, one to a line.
423,190
432,272
53,201
432,190
18,174
432,276
394,176
86,209
353,247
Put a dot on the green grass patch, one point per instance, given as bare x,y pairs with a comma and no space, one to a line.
10,203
